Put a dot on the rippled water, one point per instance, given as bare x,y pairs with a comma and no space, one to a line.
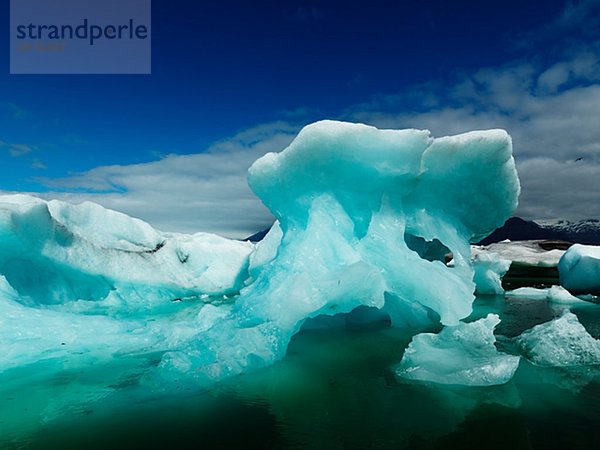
335,389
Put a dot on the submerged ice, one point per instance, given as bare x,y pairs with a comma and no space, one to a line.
365,217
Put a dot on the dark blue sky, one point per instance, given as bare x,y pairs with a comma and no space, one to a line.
219,68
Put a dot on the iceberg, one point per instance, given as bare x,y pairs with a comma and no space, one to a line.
525,260
489,270
579,269
560,342
54,252
463,354
553,294
365,218
522,253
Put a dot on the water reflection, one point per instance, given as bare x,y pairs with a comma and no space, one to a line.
335,389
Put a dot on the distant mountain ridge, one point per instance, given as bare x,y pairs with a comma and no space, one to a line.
517,229
584,231
257,237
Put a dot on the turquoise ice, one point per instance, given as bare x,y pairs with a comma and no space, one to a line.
579,269
560,342
56,253
365,217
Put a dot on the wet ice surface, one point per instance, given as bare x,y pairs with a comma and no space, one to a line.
335,388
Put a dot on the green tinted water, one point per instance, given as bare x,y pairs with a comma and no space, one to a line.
335,389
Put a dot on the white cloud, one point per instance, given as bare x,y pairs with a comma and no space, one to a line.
557,189
37,164
550,129
16,149
549,132
187,193
552,111
583,67
14,111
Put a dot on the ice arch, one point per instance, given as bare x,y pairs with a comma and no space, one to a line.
346,196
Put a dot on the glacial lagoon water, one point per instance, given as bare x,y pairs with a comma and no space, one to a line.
336,388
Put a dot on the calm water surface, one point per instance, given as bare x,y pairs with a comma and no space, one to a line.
335,389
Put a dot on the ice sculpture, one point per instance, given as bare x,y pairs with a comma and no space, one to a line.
560,342
365,217
579,269
463,354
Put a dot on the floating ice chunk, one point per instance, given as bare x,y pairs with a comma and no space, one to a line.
104,227
558,294
489,270
525,253
528,292
59,335
589,298
7,293
554,294
560,342
579,269
54,252
463,354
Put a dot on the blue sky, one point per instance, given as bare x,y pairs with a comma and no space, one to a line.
232,80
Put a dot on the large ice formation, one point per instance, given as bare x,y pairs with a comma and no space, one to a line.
560,342
579,269
463,354
54,252
365,217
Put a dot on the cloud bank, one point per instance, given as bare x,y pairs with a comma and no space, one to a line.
552,113
186,193
550,105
